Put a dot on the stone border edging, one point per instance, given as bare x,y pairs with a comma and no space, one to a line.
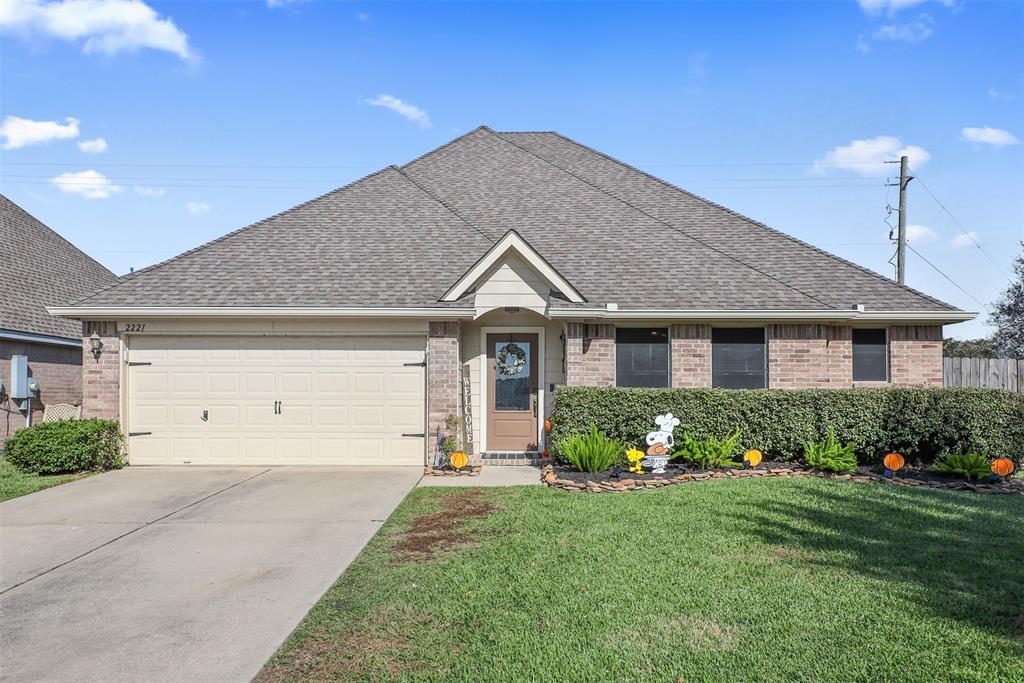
550,478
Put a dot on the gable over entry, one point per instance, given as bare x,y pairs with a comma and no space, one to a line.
512,273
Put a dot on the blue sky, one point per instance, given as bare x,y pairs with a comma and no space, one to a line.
215,115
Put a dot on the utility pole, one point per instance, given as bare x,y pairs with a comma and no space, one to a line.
901,236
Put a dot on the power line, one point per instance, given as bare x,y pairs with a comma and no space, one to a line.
939,271
116,164
964,230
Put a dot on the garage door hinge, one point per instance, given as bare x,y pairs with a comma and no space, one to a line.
420,435
139,433
138,362
421,364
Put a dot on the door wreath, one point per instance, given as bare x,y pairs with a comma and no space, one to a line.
511,359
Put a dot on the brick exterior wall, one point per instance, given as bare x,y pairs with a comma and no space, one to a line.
809,356
691,356
915,355
101,375
443,388
57,369
589,355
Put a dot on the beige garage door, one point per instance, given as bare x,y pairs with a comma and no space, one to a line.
276,400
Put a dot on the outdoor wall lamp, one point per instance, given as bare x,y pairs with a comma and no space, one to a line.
96,344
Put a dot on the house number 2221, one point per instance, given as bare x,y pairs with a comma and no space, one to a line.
135,327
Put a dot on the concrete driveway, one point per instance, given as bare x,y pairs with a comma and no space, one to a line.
177,574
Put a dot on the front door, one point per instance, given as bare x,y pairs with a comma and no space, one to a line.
511,392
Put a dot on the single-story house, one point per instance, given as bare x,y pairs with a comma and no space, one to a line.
39,268
475,279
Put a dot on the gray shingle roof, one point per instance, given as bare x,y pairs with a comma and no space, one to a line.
402,236
39,268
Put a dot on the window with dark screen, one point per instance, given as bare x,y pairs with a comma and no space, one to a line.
738,358
870,355
641,357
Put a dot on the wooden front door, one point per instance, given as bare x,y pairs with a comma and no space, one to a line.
512,392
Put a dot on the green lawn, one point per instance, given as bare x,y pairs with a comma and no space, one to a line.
768,580
14,483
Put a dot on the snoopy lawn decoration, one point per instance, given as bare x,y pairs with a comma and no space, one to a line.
660,443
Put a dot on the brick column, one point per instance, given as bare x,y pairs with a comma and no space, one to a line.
101,374
691,356
589,355
915,355
809,356
442,378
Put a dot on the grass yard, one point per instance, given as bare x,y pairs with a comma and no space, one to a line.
14,483
768,580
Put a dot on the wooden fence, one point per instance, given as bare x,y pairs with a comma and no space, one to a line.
990,373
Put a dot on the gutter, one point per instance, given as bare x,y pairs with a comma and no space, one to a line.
120,313
40,338
852,315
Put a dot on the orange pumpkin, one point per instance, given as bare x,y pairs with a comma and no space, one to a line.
893,462
459,460
753,457
1002,467
547,425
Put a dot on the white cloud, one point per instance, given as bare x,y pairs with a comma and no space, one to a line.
865,156
964,240
93,146
362,16
89,184
997,95
197,208
997,137
144,191
409,111
697,64
892,6
19,132
106,26
920,234
911,32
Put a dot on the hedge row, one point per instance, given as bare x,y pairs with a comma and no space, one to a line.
920,423
67,446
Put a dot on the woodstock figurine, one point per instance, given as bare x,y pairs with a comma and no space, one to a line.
635,456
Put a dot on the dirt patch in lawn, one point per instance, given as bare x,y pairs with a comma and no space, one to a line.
435,532
378,644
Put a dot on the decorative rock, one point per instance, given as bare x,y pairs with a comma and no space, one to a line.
550,478
626,483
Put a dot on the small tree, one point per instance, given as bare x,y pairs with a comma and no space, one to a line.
1007,315
968,348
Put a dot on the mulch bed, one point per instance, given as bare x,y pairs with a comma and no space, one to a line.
569,479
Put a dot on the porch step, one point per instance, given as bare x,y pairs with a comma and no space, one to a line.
514,458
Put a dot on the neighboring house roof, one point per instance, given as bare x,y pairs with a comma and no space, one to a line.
404,236
39,268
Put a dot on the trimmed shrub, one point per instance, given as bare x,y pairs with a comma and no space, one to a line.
920,423
67,446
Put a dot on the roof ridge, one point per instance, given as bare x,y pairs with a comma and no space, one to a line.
193,250
481,127
59,236
756,222
666,223
440,201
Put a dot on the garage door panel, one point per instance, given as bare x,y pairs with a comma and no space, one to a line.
343,400
295,383
260,383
